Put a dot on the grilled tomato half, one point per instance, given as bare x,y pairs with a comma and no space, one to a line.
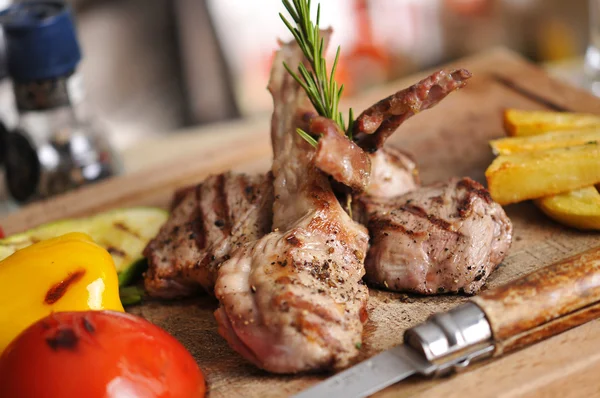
97,354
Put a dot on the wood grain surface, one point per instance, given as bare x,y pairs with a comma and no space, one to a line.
449,140
543,303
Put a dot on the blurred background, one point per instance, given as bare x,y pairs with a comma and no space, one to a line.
152,67
155,70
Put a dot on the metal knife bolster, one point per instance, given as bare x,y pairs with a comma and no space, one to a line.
454,339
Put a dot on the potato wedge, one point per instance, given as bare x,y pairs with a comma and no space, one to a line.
578,209
555,139
531,175
520,123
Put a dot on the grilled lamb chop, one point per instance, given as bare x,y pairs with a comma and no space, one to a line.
207,222
393,172
376,124
441,238
293,300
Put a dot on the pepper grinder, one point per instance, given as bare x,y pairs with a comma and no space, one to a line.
54,148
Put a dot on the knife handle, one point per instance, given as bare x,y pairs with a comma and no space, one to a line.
544,303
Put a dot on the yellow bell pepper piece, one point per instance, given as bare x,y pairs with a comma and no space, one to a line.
68,273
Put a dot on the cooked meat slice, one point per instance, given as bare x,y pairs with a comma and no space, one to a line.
293,301
393,173
377,123
207,223
341,158
441,238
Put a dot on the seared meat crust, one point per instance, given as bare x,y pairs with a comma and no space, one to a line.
207,222
376,124
445,237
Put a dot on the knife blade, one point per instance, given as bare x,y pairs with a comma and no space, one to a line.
372,375
445,341
537,306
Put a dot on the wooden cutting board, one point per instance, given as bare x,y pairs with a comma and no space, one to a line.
449,140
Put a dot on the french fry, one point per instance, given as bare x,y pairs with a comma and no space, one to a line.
520,123
578,209
555,139
531,175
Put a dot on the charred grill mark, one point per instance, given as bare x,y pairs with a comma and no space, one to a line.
196,223
221,206
249,190
293,301
59,289
180,195
88,325
294,241
465,206
63,339
438,200
476,188
419,212
120,226
115,251
473,189
382,224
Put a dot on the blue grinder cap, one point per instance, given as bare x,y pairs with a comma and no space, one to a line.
41,42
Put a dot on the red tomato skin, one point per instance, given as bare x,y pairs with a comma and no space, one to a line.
98,354
2,235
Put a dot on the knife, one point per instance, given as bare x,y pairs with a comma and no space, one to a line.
537,306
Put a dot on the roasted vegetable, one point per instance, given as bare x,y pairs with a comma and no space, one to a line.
555,139
98,354
522,123
123,232
532,175
68,273
579,209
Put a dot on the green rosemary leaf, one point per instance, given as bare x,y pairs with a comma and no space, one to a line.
350,124
291,11
307,137
318,13
320,86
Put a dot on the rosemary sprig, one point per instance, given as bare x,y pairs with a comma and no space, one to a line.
322,89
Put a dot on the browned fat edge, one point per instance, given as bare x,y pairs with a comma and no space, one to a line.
538,298
473,188
59,289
